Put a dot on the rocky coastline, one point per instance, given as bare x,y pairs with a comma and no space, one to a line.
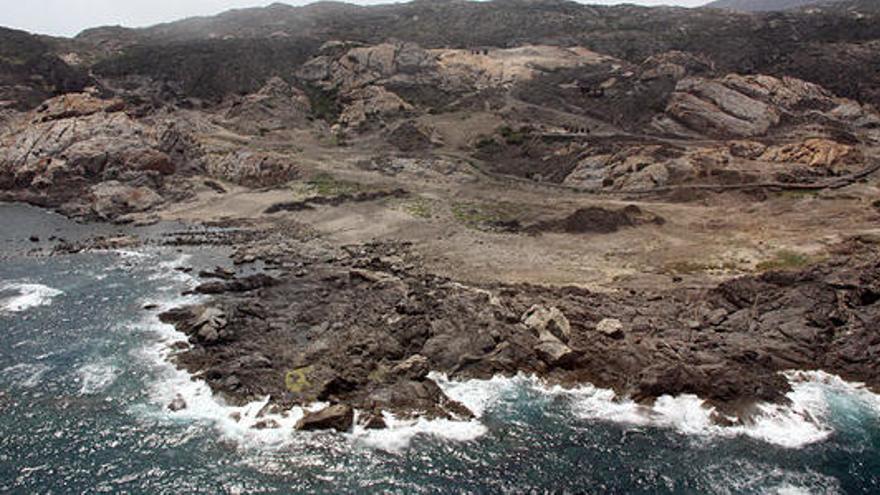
363,326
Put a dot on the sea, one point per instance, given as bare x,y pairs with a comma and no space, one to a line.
85,384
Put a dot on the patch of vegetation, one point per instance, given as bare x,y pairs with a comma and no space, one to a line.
325,103
785,260
487,216
418,207
486,144
297,380
212,68
514,137
326,185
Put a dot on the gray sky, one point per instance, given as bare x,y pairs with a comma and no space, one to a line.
68,17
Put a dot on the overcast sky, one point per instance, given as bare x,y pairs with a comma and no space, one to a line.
68,17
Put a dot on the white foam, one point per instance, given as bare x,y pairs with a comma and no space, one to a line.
233,423
792,426
96,377
29,296
400,432
26,375
805,420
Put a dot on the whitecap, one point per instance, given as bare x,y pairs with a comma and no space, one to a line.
28,296
96,377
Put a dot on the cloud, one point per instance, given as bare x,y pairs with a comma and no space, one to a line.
68,17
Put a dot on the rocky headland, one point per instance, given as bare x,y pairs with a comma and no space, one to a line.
657,201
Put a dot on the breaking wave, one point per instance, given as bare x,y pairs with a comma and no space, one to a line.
26,296
806,419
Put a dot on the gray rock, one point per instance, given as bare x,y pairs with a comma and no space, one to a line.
543,319
612,327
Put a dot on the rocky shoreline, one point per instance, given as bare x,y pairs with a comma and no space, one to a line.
361,327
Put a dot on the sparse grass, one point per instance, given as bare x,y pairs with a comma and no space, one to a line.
690,267
326,185
785,260
418,207
512,136
796,194
481,216
484,143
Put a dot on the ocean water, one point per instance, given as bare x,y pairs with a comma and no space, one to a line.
85,383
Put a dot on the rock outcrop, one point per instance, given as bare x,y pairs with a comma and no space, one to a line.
74,142
748,106
277,106
369,342
251,168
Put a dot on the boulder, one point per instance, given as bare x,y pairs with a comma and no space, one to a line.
544,319
178,404
413,368
555,353
205,323
611,327
112,199
339,417
372,420
251,168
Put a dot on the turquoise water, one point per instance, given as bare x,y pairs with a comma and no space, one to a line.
84,389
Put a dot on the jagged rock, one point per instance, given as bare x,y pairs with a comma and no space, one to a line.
61,153
278,105
251,168
675,65
339,417
414,367
409,136
543,319
813,152
205,323
373,103
75,105
372,420
713,108
244,284
555,353
748,106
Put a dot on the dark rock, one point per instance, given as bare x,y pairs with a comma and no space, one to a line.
372,420
178,404
339,417
245,284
